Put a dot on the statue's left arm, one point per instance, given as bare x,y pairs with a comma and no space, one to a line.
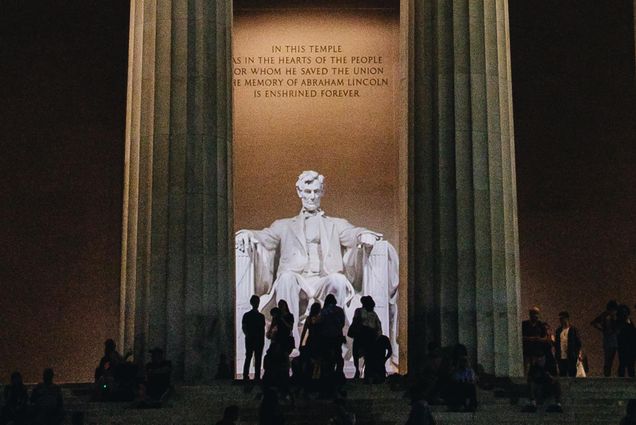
351,236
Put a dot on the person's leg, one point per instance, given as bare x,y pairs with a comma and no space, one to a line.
563,367
608,359
630,366
572,367
556,390
622,362
338,285
356,360
258,356
249,350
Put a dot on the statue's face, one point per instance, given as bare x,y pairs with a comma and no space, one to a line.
311,195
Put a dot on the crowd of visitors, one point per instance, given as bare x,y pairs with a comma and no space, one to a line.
317,366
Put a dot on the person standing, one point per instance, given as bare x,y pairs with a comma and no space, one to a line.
332,320
365,329
626,342
535,337
606,323
253,325
567,345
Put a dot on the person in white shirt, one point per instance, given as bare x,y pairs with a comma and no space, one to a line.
567,346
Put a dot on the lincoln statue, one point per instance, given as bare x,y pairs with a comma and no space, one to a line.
317,255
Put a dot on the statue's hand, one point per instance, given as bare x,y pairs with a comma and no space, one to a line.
370,238
244,240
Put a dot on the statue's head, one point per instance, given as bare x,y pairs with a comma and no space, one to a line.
310,188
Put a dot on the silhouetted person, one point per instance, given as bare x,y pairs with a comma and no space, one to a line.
377,354
535,337
270,412
16,402
542,385
567,345
285,327
109,361
158,373
365,329
230,416
47,400
630,414
434,377
626,342
606,323
310,347
462,392
332,320
277,356
420,410
253,325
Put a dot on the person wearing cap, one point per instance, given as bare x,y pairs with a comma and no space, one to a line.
536,341
567,345
158,372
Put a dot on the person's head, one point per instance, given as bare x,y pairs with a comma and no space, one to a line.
462,362
534,314
612,307
314,310
564,319
368,303
109,346
283,307
435,358
274,312
330,300
47,376
623,312
231,413
310,188
16,379
156,355
255,301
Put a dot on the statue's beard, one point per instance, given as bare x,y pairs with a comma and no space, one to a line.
311,206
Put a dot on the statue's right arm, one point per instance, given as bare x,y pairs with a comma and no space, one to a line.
269,237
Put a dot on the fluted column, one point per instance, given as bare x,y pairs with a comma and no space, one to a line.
176,290
464,270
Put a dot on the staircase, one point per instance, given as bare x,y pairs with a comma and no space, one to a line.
585,401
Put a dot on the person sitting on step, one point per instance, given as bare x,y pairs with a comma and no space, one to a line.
542,385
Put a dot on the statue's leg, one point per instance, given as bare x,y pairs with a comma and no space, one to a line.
288,286
338,285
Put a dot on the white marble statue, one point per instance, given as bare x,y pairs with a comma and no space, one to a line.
316,255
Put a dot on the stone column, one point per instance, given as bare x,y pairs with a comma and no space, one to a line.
464,264
176,288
